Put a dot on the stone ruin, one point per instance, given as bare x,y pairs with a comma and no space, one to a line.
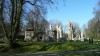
29,33
31,36
55,34
70,33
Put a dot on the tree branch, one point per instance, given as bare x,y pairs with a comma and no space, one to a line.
30,2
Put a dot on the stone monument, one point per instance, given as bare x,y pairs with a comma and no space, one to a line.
59,32
70,31
29,33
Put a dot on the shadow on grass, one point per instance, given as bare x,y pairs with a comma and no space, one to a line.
51,47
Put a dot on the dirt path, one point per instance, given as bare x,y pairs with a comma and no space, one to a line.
58,53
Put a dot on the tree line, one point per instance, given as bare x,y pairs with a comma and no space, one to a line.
92,29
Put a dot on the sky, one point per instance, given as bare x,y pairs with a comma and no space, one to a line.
79,11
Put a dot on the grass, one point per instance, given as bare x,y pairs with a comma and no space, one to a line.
35,47
80,55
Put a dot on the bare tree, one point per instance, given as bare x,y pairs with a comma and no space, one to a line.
37,23
15,9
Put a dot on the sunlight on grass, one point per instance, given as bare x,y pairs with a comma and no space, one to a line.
35,47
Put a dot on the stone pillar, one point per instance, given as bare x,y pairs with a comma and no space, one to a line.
50,27
58,35
82,37
59,32
70,31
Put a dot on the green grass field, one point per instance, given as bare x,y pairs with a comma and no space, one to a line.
36,47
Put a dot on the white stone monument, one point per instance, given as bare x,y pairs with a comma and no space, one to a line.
70,31
82,37
59,32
